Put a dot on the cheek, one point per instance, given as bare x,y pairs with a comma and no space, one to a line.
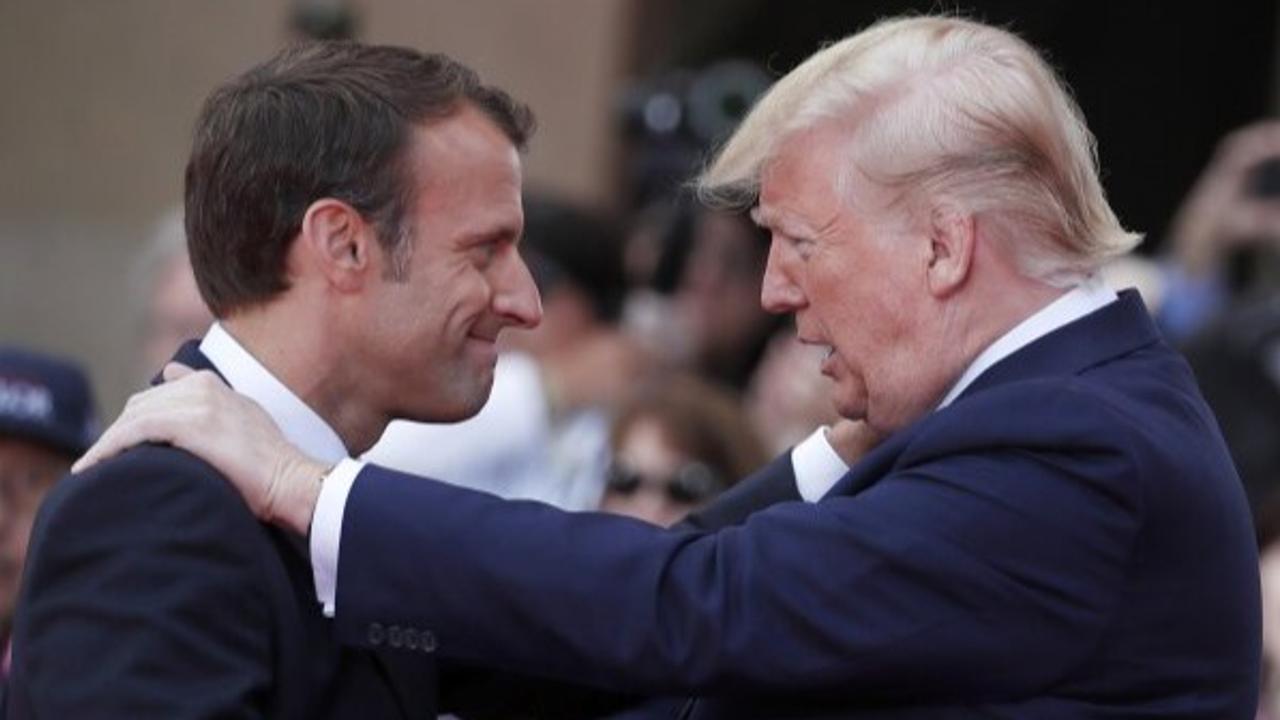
466,293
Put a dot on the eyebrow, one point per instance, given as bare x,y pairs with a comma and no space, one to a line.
501,231
774,219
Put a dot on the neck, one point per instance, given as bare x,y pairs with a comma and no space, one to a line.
1000,312
997,300
310,364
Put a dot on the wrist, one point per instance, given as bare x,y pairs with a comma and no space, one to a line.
296,493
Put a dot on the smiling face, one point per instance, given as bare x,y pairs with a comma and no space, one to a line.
854,272
430,337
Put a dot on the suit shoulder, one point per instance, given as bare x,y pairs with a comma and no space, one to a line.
152,484
1062,407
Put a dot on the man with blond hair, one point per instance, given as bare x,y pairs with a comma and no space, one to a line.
1047,526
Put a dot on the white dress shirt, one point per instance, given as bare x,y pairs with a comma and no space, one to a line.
301,426
816,464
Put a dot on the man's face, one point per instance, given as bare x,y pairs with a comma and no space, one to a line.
853,272
430,346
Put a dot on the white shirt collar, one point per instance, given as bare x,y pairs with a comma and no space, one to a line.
300,424
1081,300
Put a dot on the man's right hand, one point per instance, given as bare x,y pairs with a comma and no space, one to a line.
197,412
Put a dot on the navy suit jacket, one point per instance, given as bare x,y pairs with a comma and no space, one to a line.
1068,539
151,591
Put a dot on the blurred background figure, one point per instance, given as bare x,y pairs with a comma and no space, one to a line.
1215,290
677,444
788,396
1224,237
696,300
718,296
543,435
170,308
47,420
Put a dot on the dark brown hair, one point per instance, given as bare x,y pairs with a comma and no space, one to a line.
322,119
701,420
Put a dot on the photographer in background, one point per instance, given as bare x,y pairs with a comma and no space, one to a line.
1233,206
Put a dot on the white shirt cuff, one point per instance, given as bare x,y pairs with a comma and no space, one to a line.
816,465
326,530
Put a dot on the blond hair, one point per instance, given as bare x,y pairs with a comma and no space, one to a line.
946,106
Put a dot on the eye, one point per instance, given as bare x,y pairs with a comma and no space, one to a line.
804,246
483,252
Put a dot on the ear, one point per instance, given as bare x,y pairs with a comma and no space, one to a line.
951,244
337,242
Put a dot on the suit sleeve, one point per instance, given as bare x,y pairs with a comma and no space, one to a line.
983,573
141,598
479,693
985,564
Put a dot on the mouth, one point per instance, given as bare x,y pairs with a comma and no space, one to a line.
828,365
826,353
483,347
817,344
484,335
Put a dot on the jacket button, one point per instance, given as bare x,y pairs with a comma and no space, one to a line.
376,634
427,641
395,636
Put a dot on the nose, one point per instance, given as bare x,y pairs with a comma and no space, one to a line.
515,296
779,292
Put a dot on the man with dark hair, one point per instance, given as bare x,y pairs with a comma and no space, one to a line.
352,214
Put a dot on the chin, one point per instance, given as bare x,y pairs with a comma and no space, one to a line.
443,408
850,408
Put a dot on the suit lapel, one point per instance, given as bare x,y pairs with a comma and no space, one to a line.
189,354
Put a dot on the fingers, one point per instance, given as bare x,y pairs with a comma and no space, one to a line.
122,435
1248,146
1258,220
852,439
156,415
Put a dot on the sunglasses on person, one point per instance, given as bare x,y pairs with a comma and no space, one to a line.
692,484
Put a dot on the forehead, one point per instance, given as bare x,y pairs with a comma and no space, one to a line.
803,176
465,167
815,175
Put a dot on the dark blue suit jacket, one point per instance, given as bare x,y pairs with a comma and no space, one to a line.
151,591
1067,540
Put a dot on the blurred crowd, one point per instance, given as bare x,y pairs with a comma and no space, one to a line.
656,381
